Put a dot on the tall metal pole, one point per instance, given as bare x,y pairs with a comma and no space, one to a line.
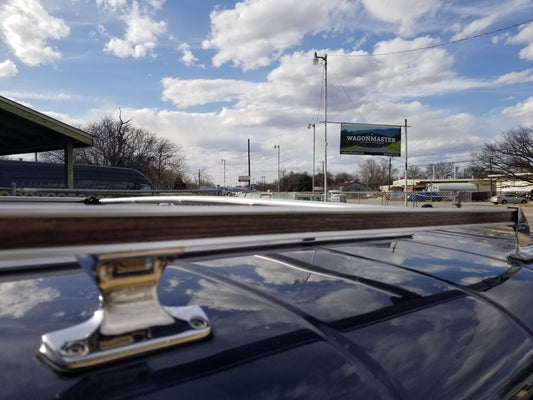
313,172
405,189
315,61
249,173
279,182
224,164
390,167
276,146
325,127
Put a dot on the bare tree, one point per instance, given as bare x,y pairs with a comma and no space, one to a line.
441,170
375,174
510,154
202,178
415,172
472,171
118,143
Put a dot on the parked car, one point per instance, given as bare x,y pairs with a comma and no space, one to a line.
505,198
424,196
235,298
336,196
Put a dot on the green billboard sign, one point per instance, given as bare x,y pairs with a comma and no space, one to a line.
368,139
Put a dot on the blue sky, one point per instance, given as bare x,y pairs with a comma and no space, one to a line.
209,75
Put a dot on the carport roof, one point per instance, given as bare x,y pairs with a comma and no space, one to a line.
23,130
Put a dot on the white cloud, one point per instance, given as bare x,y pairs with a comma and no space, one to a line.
399,75
112,4
19,95
118,5
186,93
475,27
256,32
141,35
156,4
483,17
292,90
188,57
525,36
515,77
27,28
8,69
429,64
404,13
522,112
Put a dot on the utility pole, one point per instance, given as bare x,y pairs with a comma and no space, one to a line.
405,189
276,146
313,171
390,167
249,173
315,61
224,167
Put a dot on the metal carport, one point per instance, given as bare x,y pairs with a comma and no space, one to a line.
23,130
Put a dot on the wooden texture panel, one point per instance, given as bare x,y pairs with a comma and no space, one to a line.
23,231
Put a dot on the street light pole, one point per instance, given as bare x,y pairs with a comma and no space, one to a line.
276,146
405,187
315,61
224,164
313,172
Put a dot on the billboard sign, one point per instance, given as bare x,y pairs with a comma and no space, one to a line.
368,139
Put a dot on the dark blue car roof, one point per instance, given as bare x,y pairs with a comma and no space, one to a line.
437,313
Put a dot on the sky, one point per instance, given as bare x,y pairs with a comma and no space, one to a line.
213,75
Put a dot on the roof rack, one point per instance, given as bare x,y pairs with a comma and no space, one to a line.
183,218
125,244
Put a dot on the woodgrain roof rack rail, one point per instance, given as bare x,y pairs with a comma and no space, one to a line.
170,219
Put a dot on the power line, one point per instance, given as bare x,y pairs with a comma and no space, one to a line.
321,97
436,45
349,97
419,49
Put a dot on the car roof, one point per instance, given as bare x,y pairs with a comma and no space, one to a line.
335,300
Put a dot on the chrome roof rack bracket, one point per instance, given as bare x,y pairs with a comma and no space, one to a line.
130,321
524,243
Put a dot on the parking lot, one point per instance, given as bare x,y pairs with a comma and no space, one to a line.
526,208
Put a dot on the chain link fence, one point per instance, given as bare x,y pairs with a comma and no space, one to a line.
416,199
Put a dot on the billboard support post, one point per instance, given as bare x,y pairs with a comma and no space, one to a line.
276,146
249,172
405,188
313,170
